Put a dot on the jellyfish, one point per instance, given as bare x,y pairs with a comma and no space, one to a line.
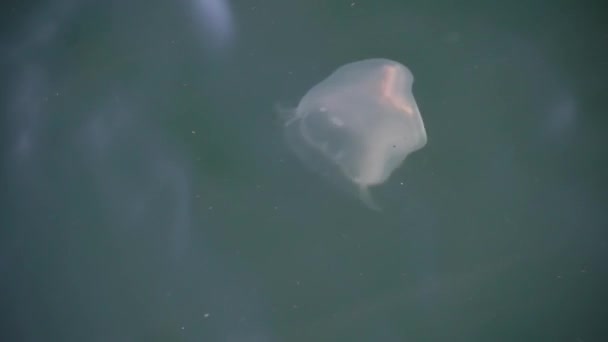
358,125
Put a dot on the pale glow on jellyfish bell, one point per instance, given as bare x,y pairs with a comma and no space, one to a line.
358,125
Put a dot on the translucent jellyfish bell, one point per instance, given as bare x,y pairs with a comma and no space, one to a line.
358,125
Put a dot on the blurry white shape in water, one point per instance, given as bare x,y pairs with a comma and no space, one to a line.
217,20
358,125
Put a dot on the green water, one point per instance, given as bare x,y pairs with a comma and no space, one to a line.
150,196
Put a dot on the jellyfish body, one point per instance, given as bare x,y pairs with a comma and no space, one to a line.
358,125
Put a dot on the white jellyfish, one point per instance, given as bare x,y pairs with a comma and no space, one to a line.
358,125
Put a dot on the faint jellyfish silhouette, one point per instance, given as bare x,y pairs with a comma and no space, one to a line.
358,125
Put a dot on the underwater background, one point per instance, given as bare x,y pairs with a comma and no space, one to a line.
148,193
